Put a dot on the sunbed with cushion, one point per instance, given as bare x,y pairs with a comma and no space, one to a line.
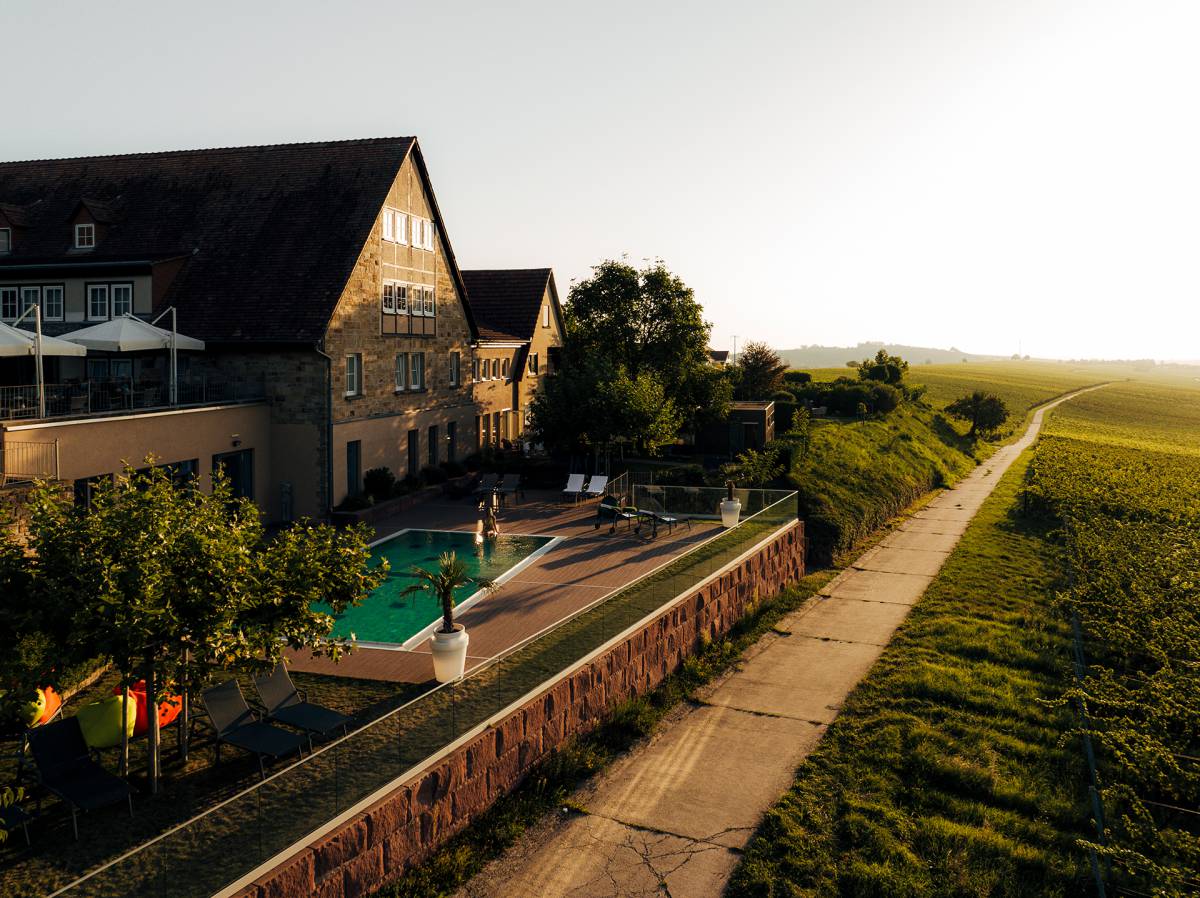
596,486
237,725
287,704
574,487
66,769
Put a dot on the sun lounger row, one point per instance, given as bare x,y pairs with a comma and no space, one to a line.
610,509
576,489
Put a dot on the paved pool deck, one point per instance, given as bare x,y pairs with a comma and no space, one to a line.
588,564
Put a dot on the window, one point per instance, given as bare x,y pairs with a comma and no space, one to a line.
478,434
545,316
354,374
401,371
504,369
414,452
433,446
389,299
495,369
416,380
451,440
8,303
427,235
418,225
85,236
354,467
455,363
97,301
387,225
422,301
533,363
30,297
402,299
52,303
5,240
238,468
122,300
401,228
474,370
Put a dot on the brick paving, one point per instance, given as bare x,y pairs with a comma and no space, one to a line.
587,565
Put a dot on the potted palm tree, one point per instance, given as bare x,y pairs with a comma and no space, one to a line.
731,506
449,642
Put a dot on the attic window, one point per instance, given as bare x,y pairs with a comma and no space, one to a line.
85,236
5,240
545,316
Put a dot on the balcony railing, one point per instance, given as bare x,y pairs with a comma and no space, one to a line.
122,396
22,462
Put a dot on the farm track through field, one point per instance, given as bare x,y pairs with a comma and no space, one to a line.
675,814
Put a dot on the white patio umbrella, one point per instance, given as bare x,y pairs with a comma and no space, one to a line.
17,342
130,334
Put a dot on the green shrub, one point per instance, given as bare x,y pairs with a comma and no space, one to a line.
379,483
431,476
357,502
453,468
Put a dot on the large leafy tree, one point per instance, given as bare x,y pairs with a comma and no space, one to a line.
761,371
986,412
889,369
170,583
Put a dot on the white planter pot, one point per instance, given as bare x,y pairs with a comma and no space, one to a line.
449,654
731,510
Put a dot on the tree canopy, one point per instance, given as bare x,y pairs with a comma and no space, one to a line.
761,372
986,412
889,369
635,364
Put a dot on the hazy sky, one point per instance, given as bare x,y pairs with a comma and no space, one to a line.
956,172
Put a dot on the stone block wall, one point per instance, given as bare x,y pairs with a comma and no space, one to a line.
403,828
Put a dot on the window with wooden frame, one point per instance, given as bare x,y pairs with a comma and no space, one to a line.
30,297
401,228
427,235
401,371
430,309
52,302
354,379
388,234
122,300
455,366
8,303
416,380
85,236
97,302
546,315
504,369
389,298
5,240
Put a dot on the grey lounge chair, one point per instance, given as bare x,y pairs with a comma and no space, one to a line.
610,509
237,725
574,487
487,483
511,486
66,769
596,486
653,511
287,704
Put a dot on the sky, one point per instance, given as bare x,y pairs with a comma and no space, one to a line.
994,176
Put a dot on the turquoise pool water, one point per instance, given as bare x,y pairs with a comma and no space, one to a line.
388,618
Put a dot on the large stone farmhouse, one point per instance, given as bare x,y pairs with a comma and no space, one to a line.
339,333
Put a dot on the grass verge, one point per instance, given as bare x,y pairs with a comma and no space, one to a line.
945,773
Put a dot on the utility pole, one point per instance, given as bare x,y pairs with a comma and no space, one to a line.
733,361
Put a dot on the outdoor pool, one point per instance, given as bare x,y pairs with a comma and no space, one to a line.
389,620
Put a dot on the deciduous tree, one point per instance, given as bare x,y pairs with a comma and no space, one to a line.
985,411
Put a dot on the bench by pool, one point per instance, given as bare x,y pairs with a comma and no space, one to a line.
388,620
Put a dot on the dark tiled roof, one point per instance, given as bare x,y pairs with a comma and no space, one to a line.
272,232
719,355
506,301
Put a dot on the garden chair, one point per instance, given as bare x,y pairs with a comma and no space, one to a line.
612,510
66,768
653,511
574,487
487,483
287,704
596,486
237,725
511,485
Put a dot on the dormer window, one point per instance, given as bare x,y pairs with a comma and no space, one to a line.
85,236
5,241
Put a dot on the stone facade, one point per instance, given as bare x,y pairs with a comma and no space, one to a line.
406,826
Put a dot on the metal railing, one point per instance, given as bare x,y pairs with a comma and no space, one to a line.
22,462
212,853
122,396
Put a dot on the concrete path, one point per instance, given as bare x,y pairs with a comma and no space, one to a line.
672,817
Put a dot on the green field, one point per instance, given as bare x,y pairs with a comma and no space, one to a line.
957,767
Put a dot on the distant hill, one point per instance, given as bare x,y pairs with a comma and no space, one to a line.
838,356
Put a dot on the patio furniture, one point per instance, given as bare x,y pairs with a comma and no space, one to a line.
237,725
610,509
574,487
66,768
657,514
12,817
511,485
596,486
487,483
287,704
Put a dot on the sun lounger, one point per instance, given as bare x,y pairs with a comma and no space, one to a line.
66,769
285,703
610,509
510,486
574,487
237,725
596,486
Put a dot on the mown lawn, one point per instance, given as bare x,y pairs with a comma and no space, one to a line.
945,774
